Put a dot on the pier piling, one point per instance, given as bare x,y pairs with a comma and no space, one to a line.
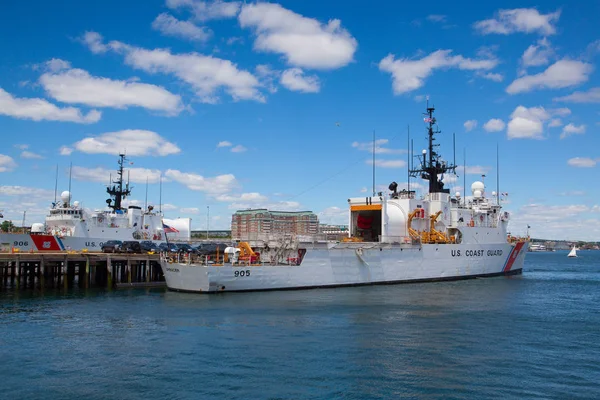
66,270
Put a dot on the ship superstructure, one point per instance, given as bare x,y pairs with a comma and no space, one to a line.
67,219
392,238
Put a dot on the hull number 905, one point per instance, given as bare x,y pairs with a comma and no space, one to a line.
242,273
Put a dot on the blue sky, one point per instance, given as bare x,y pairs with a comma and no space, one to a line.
240,105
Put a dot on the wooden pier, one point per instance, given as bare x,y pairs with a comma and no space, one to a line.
79,269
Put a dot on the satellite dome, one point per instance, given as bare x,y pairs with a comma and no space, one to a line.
37,228
457,194
76,203
65,196
477,186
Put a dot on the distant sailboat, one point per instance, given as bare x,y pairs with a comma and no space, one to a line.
573,252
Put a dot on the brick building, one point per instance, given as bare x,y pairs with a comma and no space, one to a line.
245,223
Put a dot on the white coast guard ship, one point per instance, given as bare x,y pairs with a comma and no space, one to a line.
392,238
71,227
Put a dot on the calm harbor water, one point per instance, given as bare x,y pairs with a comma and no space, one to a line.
530,336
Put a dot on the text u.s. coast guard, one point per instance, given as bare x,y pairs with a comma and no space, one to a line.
476,253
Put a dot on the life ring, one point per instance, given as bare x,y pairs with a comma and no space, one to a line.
481,217
100,219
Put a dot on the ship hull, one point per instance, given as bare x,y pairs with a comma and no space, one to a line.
335,267
25,243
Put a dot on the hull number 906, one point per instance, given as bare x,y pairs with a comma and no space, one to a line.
242,273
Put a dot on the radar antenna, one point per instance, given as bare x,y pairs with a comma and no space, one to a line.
432,166
117,192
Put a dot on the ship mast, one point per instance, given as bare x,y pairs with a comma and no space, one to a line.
432,166
117,192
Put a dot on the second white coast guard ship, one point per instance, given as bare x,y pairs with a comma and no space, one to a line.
68,226
392,238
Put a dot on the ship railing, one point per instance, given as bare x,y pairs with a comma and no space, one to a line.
491,224
294,237
393,239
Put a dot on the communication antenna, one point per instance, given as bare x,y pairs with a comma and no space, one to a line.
160,194
70,171
408,156
464,176
373,162
55,184
497,175
146,200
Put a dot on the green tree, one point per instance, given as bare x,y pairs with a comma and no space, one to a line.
6,226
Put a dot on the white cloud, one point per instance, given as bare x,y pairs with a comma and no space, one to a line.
207,10
134,142
537,55
56,64
206,74
387,163
234,149
379,149
267,76
304,42
527,123
556,122
473,169
190,210
235,39
582,162
558,222
436,18
494,125
562,112
40,109
25,191
294,79
217,185
274,206
93,40
169,207
78,86
591,96
492,76
21,146
30,155
408,75
7,163
572,129
135,175
66,150
171,26
334,216
470,125
253,197
527,20
563,73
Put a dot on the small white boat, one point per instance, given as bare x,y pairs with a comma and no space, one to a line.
573,252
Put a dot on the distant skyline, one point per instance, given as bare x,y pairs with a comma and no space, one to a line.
241,105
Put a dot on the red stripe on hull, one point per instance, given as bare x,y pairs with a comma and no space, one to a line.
513,256
45,243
